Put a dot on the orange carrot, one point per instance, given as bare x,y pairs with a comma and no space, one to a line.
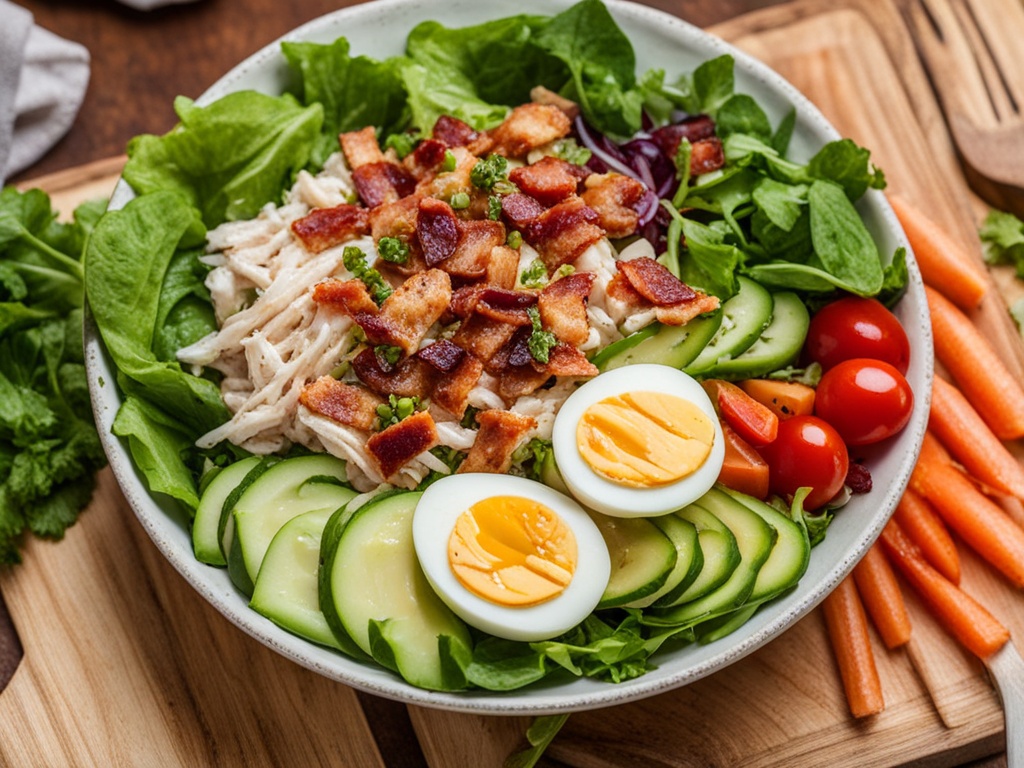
964,433
960,614
933,450
944,264
786,398
977,519
848,630
976,367
926,529
882,597
743,468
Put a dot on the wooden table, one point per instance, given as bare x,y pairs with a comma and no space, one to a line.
125,664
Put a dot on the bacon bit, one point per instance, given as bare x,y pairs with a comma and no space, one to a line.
684,312
400,443
477,238
567,360
621,290
412,377
516,381
563,307
452,391
503,267
408,313
360,147
542,95
425,158
384,182
858,477
443,355
707,156
654,282
515,354
520,210
453,132
344,403
550,180
499,435
505,306
437,229
482,337
694,129
614,197
322,228
350,296
562,233
464,300
397,219
527,127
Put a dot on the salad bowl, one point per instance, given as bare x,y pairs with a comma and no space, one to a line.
378,29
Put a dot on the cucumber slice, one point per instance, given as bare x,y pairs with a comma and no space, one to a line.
778,346
642,558
373,590
226,527
720,626
755,539
286,490
689,558
286,589
719,552
673,345
744,316
206,541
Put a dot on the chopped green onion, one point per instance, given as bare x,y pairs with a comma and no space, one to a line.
493,207
535,275
396,409
387,355
449,162
514,239
488,172
393,249
402,143
567,149
540,341
355,262
459,201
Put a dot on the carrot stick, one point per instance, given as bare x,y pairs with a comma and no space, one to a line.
933,450
926,529
944,264
960,614
848,630
964,433
972,515
882,597
976,367
743,469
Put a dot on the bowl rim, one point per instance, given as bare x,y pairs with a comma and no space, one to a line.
159,520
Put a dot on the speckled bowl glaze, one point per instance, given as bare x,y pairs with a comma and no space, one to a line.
379,29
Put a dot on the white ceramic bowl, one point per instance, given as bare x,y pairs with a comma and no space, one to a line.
379,29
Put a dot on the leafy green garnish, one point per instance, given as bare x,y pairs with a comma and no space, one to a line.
355,262
540,342
489,171
539,735
393,249
567,149
1003,237
396,409
387,355
535,275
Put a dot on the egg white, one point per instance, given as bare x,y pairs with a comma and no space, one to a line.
600,493
432,525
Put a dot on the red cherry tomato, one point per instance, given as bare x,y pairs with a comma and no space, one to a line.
857,327
806,452
865,400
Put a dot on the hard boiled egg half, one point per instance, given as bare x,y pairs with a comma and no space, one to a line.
638,441
509,555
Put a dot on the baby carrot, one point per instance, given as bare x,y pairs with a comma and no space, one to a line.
960,614
926,529
982,376
964,433
848,630
882,597
944,265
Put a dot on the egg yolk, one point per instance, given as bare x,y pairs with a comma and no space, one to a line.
512,551
644,439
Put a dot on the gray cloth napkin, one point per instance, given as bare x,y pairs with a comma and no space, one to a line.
42,83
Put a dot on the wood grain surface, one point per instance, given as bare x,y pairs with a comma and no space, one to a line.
126,665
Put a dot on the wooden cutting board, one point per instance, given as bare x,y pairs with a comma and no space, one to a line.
125,664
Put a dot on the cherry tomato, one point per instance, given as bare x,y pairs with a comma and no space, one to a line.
857,327
865,400
806,452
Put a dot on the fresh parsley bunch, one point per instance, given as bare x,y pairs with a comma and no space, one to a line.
49,449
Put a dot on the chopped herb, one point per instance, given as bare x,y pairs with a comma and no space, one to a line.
514,239
493,207
449,162
393,249
459,201
396,409
563,271
535,275
355,262
488,172
541,341
402,143
567,149
469,417
387,355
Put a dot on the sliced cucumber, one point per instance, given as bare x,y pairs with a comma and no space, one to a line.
689,558
719,552
286,590
673,345
720,626
642,558
206,541
778,345
226,527
373,590
288,489
744,316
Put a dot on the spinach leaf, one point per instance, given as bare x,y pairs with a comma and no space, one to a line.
434,92
741,114
841,241
848,165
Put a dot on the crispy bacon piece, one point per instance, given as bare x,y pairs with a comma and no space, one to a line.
347,404
562,233
383,182
614,198
693,128
499,435
654,282
477,238
425,158
516,381
437,229
482,337
567,360
505,306
542,95
398,219
361,148
515,354
350,296
322,228
412,377
520,210
407,314
563,307
453,132
549,181
527,127
684,312
707,156
400,443
443,355
620,289
503,267
464,300
452,391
